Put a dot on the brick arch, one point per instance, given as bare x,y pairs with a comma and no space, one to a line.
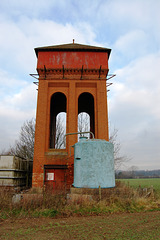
58,104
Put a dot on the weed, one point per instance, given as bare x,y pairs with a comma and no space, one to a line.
122,198
48,213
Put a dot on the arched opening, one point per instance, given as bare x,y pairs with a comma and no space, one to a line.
85,108
60,141
57,120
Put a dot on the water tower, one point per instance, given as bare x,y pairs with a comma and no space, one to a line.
71,79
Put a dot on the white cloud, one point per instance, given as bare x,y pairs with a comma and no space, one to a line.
14,110
135,110
18,39
132,44
9,84
15,8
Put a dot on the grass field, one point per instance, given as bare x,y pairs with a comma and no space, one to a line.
143,183
144,226
123,212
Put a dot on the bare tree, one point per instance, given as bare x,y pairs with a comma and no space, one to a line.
83,123
24,146
118,158
132,170
60,141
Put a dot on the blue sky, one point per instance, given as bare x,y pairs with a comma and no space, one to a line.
130,28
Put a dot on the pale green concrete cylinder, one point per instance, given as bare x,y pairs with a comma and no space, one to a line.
94,164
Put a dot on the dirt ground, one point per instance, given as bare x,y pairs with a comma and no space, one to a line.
114,226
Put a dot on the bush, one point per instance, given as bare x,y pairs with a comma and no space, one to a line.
122,198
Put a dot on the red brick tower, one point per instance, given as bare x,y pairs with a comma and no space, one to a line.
72,79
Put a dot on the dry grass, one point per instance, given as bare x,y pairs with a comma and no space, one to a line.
122,198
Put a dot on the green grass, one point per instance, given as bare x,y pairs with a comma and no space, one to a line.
144,226
143,183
